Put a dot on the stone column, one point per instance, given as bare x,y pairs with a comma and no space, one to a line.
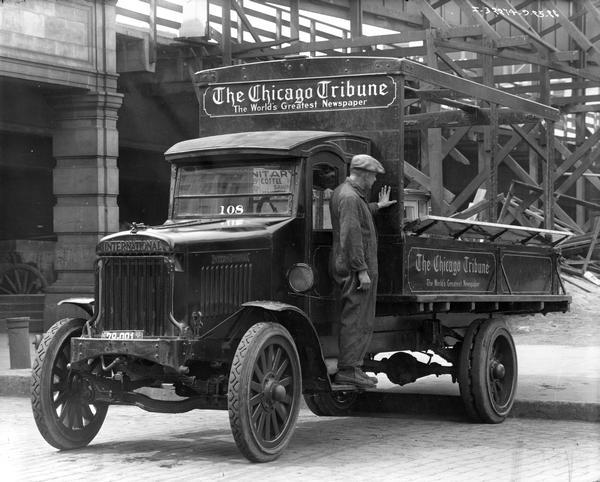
86,185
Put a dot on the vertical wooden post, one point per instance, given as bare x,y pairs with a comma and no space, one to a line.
547,137
313,34
486,147
226,34
400,150
431,142
494,164
278,24
580,128
294,19
152,32
547,176
356,20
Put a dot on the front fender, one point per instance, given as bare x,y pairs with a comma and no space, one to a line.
86,304
314,370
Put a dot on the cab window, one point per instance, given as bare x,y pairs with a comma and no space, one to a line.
325,179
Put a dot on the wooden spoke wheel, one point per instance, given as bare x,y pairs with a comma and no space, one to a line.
21,279
61,399
488,372
264,391
331,404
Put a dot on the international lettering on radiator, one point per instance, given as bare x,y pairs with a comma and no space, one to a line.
299,95
434,270
138,245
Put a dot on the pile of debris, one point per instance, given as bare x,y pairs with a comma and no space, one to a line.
580,252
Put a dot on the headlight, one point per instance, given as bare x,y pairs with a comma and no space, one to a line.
301,278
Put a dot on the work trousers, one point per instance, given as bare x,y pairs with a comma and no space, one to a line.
357,320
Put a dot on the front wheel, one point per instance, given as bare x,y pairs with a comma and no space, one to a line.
488,371
61,399
264,392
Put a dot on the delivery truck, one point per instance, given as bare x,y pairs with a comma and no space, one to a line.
230,303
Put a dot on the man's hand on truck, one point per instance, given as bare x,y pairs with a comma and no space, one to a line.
384,197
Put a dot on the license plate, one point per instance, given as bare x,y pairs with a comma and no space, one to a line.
123,334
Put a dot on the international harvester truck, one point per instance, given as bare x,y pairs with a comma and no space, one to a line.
230,305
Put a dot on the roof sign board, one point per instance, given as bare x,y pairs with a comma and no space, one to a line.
295,95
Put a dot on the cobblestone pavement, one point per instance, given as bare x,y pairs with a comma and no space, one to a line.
134,445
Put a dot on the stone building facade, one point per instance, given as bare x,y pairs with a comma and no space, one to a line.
58,92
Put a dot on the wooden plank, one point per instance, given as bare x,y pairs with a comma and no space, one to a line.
593,242
470,12
468,191
520,24
242,16
479,91
435,20
423,180
585,164
324,45
531,142
577,35
226,32
523,58
547,181
449,145
356,22
452,64
578,154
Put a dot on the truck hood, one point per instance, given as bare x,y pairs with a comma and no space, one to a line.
169,237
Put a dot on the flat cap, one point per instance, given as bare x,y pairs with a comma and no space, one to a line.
366,163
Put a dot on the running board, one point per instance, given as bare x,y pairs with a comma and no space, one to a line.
346,387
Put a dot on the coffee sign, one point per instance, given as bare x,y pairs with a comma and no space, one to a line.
299,95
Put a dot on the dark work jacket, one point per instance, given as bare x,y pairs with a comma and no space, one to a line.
354,235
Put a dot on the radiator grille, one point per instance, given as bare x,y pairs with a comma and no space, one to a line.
223,288
135,293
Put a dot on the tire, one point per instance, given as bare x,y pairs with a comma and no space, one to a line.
60,399
464,370
493,372
265,383
331,404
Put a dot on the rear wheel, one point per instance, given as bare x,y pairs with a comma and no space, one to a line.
60,398
331,404
489,379
264,391
464,371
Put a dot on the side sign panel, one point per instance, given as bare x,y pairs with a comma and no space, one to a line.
291,96
447,271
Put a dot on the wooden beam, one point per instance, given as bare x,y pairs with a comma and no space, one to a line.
576,99
531,142
450,143
226,32
520,24
435,20
356,22
242,16
468,191
458,118
577,35
332,44
471,12
585,164
423,180
578,154
476,90
514,55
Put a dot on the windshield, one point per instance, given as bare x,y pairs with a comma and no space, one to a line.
235,190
